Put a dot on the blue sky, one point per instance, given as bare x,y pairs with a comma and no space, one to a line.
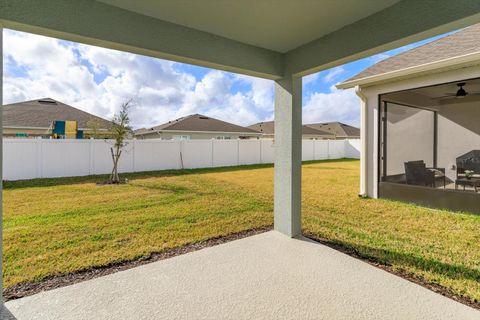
97,80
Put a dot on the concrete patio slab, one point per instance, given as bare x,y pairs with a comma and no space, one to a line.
267,276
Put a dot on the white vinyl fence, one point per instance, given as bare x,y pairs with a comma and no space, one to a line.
41,158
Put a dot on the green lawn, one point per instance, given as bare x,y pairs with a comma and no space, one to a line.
56,226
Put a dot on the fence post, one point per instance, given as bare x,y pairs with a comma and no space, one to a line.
314,142
180,144
40,158
133,155
213,145
238,151
328,149
261,155
91,167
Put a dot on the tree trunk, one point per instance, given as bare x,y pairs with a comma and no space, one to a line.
114,177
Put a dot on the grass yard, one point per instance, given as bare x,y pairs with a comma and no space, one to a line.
56,226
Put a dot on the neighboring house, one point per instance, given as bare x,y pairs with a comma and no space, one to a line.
35,118
420,114
267,129
338,129
196,126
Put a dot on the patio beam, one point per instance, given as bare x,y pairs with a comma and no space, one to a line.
99,24
400,24
288,156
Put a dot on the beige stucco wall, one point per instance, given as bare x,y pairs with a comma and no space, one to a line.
372,95
10,132
32,133
409,137
304,137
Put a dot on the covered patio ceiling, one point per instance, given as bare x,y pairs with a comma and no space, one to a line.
436,97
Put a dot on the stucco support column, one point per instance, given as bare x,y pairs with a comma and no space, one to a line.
363,141
288,156
1,161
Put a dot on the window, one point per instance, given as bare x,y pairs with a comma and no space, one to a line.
181,137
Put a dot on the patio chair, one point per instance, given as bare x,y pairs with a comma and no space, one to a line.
439,173
416,173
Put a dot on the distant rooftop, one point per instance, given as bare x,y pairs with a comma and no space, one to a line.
42,112
198,123
339,129
268,127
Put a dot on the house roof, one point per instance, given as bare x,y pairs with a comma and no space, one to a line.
42,112
198,123
336,128
461,43
268,127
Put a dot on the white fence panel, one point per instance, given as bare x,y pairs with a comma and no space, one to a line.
197,153
336,149
321,149
352,148
102,159
308,150
126,163
225,153
64,158
151,155
249,152
20,159
29,158
267,150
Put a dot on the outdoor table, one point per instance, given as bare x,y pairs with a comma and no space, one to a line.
473,182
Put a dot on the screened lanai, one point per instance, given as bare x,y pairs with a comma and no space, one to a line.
430,145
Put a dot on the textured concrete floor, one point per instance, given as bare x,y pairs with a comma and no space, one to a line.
267,276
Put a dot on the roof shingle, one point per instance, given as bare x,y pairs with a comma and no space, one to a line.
199,123
268,127
41,113
460,43
336,128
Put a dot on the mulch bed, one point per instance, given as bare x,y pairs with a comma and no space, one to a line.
28,288
110,182
52,282
401,273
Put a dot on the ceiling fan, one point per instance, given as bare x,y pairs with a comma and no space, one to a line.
461,93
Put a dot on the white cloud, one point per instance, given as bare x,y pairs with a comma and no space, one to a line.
38,67
311,78
378,57
98,80
333,74
337,105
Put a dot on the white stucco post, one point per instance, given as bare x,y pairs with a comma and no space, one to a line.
1,161
363,141
288,156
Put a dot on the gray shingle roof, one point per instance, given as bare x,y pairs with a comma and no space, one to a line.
198,122
41,113
337,128
460,43
268,127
